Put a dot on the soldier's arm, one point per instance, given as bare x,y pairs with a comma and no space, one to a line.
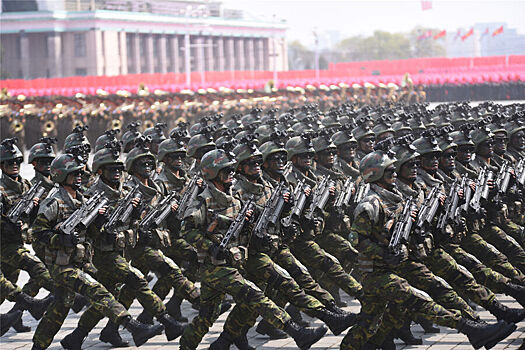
45,222
193,229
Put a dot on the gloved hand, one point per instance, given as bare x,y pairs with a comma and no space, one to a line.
217,252
291,232
396,258
145,237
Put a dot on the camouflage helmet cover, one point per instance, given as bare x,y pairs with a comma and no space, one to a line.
140,150
247,148
198,141
9,150
42,149
108,155
373,165
171,145
298,145
64,165
404,153
214,161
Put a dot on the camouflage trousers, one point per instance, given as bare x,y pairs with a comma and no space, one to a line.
515,230
339,247
218,281
16,257
445,266
184,256
315,258
492,257
383,287
505,244
169,274
278,285
113,271
8,290
284,258
71,280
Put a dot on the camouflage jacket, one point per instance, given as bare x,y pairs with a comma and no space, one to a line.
374,218
515,154
296,175
169,182
349,170
448,179
467,170
206,222
427,181
414,191
11,192
479,163
54,210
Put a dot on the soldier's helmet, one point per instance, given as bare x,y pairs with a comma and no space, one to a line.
156,132
140,150
342,137
362,131
42,149
299,145
480,135
275,145
175,144
129,137
64,165
462,138
404,153
76,138
214,161
109,155
9,150
197,142
427,144
107,137
373,165
247,148
323,142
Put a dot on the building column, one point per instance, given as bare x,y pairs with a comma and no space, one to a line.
220,54
251,53
230,54
150,64
210,59
241,61
162,54
137,65
25,55
199,57
266,53
123,51
175,53
54,44
259,53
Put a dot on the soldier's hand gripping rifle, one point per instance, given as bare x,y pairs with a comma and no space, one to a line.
235,227
319,197
26,204
449,214
82,217
475,202
271,211
299,198
158,214
187,198
402,228
427,212
123,211
342,202
503,181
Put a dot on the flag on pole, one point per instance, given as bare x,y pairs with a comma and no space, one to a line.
498,31
486,32
441,34
425,35
426,5
458,34
467,34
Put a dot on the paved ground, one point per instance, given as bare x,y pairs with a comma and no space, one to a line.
447,339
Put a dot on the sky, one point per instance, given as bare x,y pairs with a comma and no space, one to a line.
345,18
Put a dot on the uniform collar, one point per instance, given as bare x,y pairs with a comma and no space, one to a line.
221,198
13,185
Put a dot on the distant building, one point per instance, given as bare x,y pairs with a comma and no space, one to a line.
482,43
112,37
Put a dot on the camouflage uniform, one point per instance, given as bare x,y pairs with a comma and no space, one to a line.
8,290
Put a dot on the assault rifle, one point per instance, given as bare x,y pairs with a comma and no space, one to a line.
299,198
503,180
25,205
84,216
271,212
520,172
189,195
158,214
237,225
343,198
451,205
362,190
402,227
467,195
319,197
428,211
123,211
476,197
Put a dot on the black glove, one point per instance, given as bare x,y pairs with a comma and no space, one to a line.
396,258
145,237
217,252
291,232
70,240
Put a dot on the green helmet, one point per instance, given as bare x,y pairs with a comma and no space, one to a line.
461,138
247,148
64,165
322,143
264,132
140,150
156,133
171,145
446,142
401,128
342,137
426,145
301,128
198,141
373,166
108,155
404,153
129,137
9,150
43,149
480,135
271,147
298,145
382,128
213,161
76,138
330,121
516,124
107,137
362,131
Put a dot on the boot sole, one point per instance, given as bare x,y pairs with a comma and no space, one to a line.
124,344
269,336
319,333
171,335
344,326
155,330
504,333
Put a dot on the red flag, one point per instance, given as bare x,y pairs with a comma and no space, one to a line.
467,34
486,32
426,5
440,34
498,31
425,35
458,34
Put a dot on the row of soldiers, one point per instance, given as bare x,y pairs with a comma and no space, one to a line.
416,213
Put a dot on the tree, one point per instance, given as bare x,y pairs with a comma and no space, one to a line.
299,56
427,47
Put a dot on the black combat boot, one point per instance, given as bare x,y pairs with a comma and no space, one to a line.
336,322
74,340
173,308
295,314
388,343
141,332
110,334
224,342
304,337
428,326
241,342
36,307
145,317
265,328
9,319
504,313
336,309
405,334
20,327
172,328
79,303
36,347
485,335
517,292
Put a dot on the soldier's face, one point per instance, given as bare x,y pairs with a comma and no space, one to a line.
486,148
390,176
408,171
384,136
347,151
275,162
144,167
74,179
252,167
367,144
500,144
225,176
327,158
304,160
12,167
447,161
112,174
174,160
429,162
465,153
43,165
518,140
